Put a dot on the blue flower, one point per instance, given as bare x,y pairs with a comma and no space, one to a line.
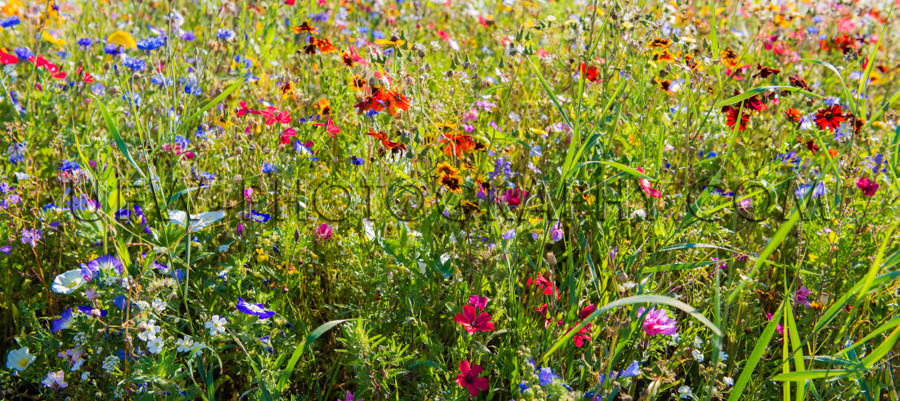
16,152
85,42
87,310
252,309
546,376
509,234
70,166
259,217
187,36
135,64
106,262
64,321
268,168
225,34
152,43
31,237
356,161
23,53
10,22
112,49
802,189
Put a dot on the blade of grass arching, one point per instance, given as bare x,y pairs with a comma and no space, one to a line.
864,79
810,375
233,87
844,300
770,248
111,127
761,89
756,355
796,349
850,99
876,265
882,350
295,357
881,329
638,299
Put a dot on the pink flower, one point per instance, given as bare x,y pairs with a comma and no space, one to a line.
780,329
324,232
478,302
514,197
867,186
647,186
472,321
248,193
469,380
658,322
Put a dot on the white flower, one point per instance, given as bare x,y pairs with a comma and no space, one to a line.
55,380
698,356
198,349
159,305
155,345
685,392
184,344
19,359
216,325
149,330
728,381
65,283
698,343
142,305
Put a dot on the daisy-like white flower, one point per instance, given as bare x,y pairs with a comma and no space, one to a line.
158,304
216,325
19,359
685,392
184,344
155,345
149,330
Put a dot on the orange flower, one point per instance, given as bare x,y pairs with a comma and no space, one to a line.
730,58
305,27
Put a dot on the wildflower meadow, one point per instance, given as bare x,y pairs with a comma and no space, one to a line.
361,200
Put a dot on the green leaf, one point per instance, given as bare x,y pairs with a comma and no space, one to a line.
111,127
882,349
810,375
235,86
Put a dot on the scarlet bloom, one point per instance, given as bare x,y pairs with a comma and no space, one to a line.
330,127
830,117
589,72
469,380
6,58
546,286
732,117
392,146
867,186
793,115
472,321
392,99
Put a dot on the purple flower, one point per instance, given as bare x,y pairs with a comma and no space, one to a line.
87,310
801,296
509,234
31,237
105,262
556,233
64,321
657,322
257,310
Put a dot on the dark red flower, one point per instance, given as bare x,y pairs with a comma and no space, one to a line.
830,117
867,186
731,117
472,321
469,380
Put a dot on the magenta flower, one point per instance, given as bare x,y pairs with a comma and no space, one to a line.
658,322
472,321
478,302
469,380
324,232
867,186
514,197
801,296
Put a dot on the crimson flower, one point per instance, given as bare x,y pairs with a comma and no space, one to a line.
867,186
469,380
7,59
830,117
647,186
472,321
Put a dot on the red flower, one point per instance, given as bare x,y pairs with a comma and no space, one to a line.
582,336
647,186
6,58
545,285
731,117
589,72
514,197
329,127
469,380
244,110
830,117
867,186
472,321
286,136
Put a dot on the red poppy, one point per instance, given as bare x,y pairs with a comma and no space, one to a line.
830,117
287,135
472,321
582,336
867,186
7,59
589,72
244,110
469,380
330,127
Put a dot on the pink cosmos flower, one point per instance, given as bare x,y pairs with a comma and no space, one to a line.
469,380
658,322
472,321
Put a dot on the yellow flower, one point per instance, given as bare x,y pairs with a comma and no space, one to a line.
123,39
392,42
11,8
49,38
